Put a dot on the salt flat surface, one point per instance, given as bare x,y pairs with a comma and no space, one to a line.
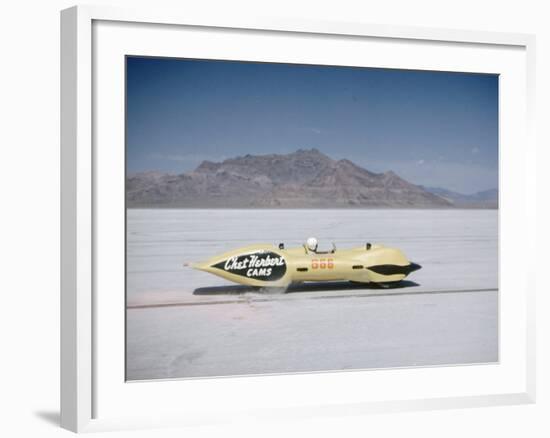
282,336
187,323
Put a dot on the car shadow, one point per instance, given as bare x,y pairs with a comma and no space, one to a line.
301,287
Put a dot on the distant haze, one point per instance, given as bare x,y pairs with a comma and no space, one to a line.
434,129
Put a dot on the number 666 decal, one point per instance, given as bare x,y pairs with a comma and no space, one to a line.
322,263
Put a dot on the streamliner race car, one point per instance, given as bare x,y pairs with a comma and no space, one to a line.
266,265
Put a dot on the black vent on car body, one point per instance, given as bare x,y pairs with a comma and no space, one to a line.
395,269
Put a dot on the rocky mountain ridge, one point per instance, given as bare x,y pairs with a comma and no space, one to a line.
302,179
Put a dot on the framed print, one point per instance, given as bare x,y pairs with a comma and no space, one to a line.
252,209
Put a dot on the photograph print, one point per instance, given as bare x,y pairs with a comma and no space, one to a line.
291,218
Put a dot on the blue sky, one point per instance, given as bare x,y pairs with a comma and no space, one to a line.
432,128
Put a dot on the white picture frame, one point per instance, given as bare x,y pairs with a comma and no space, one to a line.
85,374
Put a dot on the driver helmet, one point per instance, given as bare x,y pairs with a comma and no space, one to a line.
312,244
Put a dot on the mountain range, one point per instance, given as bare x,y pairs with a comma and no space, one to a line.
302,179
482,199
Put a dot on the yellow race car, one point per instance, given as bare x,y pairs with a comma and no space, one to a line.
266,265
